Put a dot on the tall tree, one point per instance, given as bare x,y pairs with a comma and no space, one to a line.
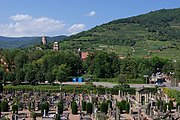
20,59
40,76
103,65
20,75
61,72
49,77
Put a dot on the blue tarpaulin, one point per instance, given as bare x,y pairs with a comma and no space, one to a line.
80,79
74,79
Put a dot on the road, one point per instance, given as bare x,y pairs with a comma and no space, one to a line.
111,85
168,85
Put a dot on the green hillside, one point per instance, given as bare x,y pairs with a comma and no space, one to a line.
153,34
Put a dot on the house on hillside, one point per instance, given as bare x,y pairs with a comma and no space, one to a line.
84,55
56,46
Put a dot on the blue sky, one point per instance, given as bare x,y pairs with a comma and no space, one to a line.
57,17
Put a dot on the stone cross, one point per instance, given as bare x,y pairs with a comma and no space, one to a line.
167,107
178,109
150,95
139,109
109,110
118,114
110,96
44,115
95,113
130,108
56,110
128,97
90,98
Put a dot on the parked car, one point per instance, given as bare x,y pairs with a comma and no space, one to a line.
160,84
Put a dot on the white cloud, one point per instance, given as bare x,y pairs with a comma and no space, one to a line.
76,28
19,17
26,25
92,13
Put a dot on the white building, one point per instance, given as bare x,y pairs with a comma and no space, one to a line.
56,46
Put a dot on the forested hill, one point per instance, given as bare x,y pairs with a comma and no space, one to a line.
154,31
22,42
164,22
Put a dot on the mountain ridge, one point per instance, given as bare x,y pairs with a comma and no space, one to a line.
22,42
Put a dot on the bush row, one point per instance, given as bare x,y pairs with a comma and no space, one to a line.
69,89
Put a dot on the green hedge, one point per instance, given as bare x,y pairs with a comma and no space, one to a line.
172,93
73,89
69,89
51,88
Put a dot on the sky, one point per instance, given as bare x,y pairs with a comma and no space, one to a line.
66,17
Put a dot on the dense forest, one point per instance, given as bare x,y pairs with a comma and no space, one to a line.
39,66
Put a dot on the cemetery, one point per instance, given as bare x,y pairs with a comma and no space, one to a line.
94,103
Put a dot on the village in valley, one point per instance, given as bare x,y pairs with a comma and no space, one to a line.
86,100
89,60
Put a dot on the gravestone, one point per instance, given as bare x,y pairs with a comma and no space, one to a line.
118,114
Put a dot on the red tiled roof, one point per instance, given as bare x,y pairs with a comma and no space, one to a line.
84,55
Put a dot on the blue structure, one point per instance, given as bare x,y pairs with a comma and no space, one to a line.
74,79
80,79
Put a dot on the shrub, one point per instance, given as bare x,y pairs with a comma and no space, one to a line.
170,105
44,106
1,87
158,104
83,105
58,117
127,107
29,105
60,107
121,105
33,115
74,108
15,109
165,107
89,107
104,107
4,106
178,104
123,102
109,103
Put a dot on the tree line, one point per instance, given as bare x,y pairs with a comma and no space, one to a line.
40,66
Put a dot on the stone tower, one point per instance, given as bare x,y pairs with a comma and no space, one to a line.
44,42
